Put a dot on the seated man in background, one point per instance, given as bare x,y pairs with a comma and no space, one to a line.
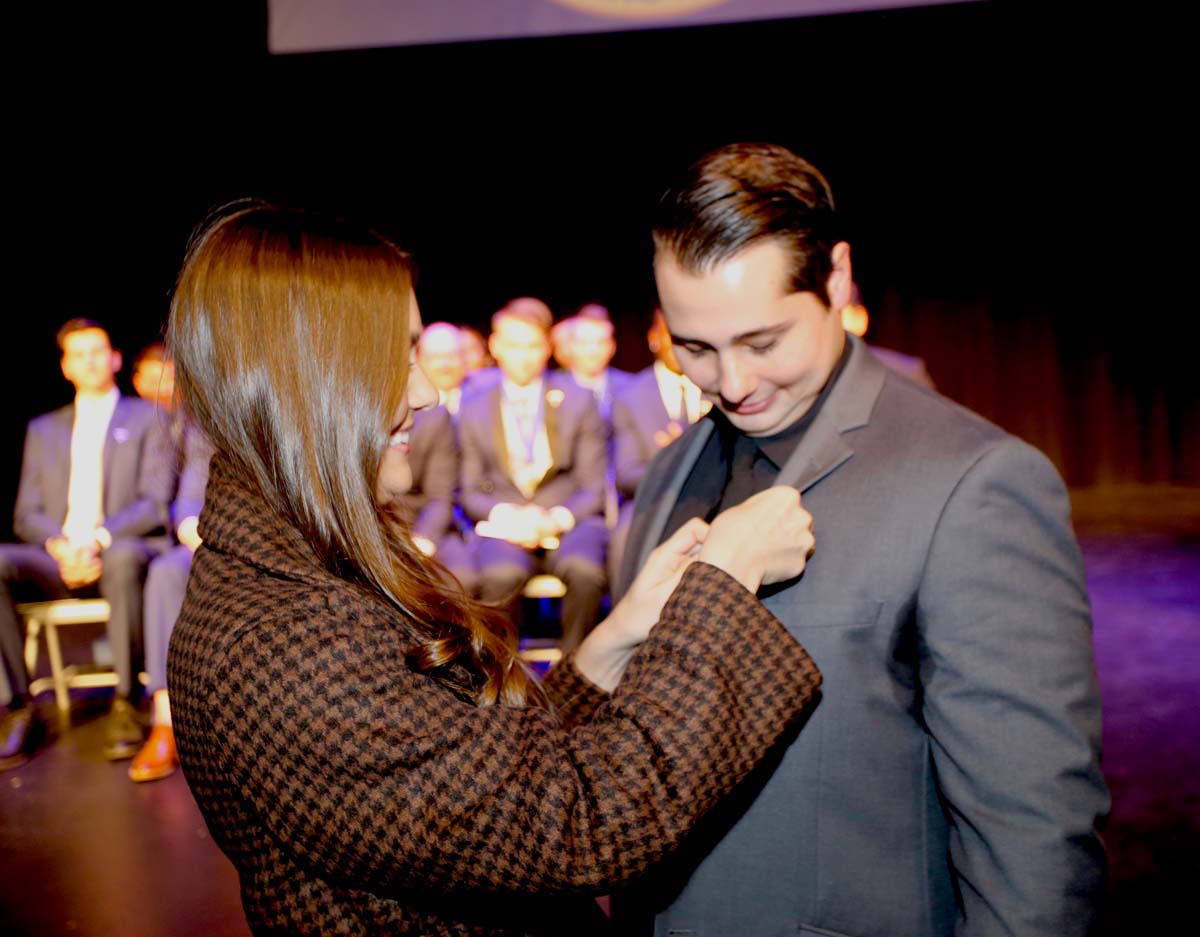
95,481
588,346
433,457
154,376
166,583
533,468
442,355
650,412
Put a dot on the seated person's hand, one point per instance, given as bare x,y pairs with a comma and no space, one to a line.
516,523
78,560
78,575
188,532
768,538
425,545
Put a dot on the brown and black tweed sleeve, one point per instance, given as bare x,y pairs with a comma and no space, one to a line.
368,773
573,697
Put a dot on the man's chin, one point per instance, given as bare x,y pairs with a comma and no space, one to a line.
766,423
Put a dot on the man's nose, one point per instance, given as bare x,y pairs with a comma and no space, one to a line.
737,381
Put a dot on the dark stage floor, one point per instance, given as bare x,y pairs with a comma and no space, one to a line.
83,851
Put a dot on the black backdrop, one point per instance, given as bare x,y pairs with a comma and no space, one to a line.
996,167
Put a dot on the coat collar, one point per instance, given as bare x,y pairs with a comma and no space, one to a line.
240,521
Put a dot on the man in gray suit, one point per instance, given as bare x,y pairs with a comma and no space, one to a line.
948,781
95,481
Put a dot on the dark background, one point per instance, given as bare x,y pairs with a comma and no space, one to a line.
997,166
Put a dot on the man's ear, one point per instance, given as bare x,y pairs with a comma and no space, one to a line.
116,362
840,285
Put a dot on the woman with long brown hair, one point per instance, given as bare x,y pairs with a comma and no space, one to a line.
360,735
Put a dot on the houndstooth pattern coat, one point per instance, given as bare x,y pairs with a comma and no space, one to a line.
355,796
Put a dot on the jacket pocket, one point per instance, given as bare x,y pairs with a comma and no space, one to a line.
801,615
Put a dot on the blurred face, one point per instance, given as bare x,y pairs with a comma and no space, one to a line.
758,351
521,350
395,473
89,361
441,357
591,347
155,381
475,352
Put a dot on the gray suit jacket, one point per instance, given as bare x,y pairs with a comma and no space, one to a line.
949,780
139,472
577,447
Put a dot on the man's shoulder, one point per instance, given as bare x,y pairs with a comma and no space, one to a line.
132,409
619,380
937,438
637,385
562,392
56,417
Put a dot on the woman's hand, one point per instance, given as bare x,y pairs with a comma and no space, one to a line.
767,538
605,653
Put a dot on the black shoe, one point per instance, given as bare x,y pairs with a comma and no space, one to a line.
123,734
20,732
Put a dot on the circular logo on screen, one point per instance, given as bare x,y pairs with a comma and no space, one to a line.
638,9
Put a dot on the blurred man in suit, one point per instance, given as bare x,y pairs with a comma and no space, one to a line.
442,355
428,506
587,348
154,376
949,780
533,469
650,412
95,481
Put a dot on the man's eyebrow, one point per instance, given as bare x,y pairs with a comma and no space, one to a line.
770,331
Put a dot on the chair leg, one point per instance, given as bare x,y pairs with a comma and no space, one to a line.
33,629
61,696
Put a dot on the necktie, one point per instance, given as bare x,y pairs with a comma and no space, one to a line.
741,484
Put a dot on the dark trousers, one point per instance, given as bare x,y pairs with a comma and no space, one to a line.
579,562
29,574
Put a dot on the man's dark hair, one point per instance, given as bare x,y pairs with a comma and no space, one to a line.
744,193
78,324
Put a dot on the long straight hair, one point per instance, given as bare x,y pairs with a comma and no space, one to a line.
290,335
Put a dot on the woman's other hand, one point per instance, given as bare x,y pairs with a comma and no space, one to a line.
605,653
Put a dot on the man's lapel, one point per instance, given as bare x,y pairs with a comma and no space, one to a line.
59,455
499,440
116,435
824,448
552,398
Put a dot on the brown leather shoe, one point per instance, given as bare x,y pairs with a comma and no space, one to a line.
157,758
